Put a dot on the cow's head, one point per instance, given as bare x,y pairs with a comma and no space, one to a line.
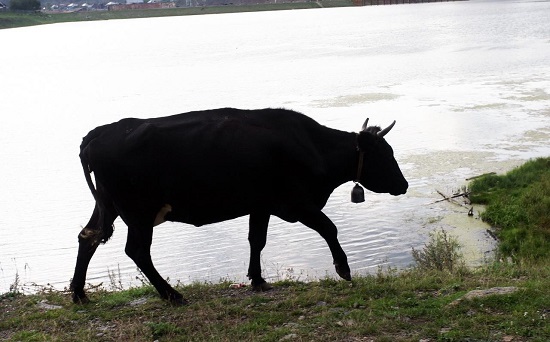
378,170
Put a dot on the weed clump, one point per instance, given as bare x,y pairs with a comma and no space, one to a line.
15,288
441,253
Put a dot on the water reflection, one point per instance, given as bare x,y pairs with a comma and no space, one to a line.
467,82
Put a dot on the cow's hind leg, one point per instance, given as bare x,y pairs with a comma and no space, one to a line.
319,222
257,236
97,230
138,248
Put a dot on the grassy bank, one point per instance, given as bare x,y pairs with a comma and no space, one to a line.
518,206
408,306
15,19
427,302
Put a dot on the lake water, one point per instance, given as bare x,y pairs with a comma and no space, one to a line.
467,82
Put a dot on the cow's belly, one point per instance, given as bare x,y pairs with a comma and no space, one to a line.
199,217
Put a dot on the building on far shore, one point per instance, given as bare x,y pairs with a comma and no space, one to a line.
141,5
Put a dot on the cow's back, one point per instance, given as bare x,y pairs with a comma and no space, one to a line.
213,165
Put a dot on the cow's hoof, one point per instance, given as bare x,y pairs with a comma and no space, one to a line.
262,287
343,271
179,301
80,299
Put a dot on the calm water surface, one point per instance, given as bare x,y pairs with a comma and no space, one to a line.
467,82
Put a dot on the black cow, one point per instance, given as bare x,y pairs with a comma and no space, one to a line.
210,166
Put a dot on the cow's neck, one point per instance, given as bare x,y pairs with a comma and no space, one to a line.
343,159
360,160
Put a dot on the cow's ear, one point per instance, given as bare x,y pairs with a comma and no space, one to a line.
366,140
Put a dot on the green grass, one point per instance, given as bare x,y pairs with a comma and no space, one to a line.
17,19
441,252
388,306
518,205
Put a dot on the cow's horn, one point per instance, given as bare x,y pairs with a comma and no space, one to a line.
365,125
386,130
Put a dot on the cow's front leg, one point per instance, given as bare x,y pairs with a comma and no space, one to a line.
257,235
319,222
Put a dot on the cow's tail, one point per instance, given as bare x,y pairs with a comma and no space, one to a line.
106,217
84,159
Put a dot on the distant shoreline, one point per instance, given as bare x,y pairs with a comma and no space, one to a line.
9,19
